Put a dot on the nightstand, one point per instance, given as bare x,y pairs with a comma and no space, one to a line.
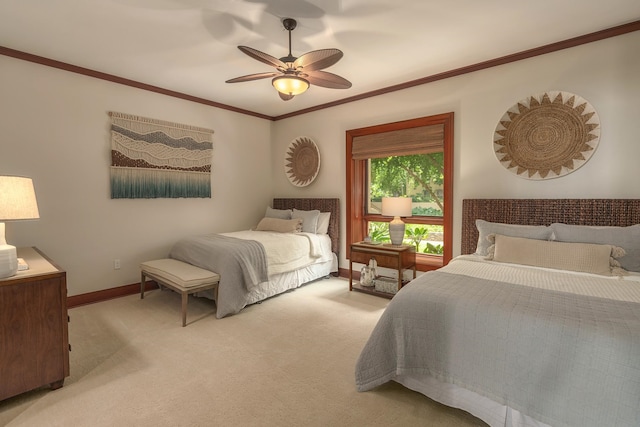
399,258
34,337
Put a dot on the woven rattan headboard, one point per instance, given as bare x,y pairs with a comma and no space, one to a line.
323,205
601,212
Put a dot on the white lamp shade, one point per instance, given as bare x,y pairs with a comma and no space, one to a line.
396,206
17,199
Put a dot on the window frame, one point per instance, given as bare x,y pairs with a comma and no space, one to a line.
356,216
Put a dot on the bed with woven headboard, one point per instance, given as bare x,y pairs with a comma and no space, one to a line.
295,243
536,324
594,212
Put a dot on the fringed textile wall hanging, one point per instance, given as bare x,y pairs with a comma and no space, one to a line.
157,159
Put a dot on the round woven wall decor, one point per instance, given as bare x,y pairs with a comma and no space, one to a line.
547,136
302,161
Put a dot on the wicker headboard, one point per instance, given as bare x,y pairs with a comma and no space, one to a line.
600,212
323,205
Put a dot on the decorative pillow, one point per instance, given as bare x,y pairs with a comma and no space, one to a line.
485,228
280,225
309,219
278,213
627,238
323,223
585,257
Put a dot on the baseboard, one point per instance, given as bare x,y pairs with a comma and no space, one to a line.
121,291
107,294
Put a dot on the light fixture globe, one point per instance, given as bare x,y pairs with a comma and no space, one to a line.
290,85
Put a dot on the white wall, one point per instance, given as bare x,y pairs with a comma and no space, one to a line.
54,128
605,73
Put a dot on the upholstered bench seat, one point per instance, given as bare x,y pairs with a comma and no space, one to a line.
179,276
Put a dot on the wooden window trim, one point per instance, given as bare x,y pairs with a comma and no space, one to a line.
356,178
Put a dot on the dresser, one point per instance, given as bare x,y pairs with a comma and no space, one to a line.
34,337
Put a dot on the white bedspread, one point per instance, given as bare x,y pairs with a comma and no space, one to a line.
288,251
620,288
558,347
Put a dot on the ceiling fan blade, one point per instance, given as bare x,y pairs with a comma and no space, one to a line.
318,59
263,57
285,97
256,76
328,80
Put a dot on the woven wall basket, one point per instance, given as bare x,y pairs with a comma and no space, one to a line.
302,161
547,136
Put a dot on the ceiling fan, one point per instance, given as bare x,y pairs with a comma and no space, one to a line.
295,75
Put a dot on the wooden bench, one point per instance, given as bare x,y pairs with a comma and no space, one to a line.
181,277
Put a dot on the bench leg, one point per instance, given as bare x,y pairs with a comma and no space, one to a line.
185,298
143,282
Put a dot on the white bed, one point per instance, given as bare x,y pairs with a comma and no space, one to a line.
257,264
523,345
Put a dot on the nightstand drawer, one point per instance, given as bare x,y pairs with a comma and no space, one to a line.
382,259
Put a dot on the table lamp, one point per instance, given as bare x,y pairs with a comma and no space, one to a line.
17,202
396,207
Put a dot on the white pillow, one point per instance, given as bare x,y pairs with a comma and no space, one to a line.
485,228
278,213
585,257
309,219
627,238
323,223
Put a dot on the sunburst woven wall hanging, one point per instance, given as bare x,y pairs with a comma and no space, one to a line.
302,161
547,136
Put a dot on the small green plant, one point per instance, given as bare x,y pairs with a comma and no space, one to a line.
379,231
433,249
416,234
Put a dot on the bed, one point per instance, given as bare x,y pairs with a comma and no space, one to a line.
292,245
523,344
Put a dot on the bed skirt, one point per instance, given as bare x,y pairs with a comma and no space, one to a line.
283,282
489,411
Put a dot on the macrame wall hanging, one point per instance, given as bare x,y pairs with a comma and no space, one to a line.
547,136
157,159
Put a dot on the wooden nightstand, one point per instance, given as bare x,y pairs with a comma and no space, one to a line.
34,337
399,258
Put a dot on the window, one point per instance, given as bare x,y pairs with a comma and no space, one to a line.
413,158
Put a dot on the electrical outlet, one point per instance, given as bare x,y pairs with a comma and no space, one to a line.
116,264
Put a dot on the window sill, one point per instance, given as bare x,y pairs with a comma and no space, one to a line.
428,263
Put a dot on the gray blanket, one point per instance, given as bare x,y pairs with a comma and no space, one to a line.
561,358
241,264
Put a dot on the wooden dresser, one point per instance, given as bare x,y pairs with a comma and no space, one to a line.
34,338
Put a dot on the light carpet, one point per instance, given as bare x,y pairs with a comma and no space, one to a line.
288,361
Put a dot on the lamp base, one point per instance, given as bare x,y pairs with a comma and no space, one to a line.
8,261
396,231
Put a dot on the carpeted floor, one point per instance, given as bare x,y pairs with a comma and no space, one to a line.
286,362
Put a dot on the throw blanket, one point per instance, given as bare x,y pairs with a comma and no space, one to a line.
241,264
562,358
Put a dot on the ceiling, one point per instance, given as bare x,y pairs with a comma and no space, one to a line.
190,46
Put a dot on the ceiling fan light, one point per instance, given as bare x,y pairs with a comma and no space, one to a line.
290,85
